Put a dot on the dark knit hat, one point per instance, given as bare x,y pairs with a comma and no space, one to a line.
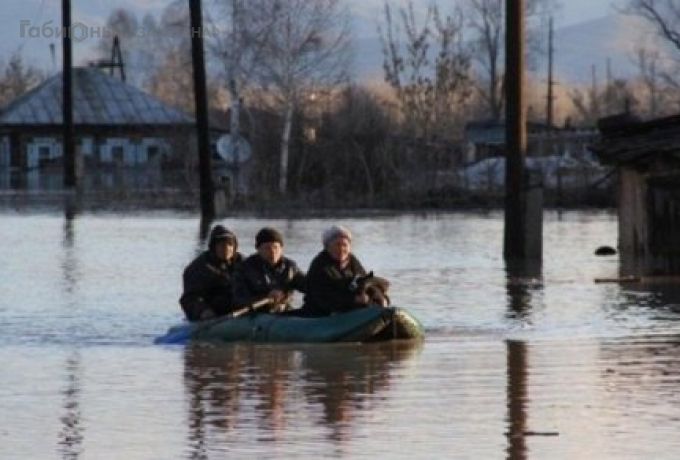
221,233
268,235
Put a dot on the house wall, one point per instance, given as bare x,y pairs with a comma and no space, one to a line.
633,223
649,223
664,235
5,153
35,151
42,149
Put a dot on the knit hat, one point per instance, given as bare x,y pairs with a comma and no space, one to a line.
268,235
336,231
221,233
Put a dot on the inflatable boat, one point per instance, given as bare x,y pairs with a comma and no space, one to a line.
371,324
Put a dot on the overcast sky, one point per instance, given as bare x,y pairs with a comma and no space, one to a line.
16,16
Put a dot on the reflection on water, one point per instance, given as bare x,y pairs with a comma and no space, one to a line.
524,281
517,398
260,388
99,179
71,434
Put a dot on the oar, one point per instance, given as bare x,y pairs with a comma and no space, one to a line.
251,308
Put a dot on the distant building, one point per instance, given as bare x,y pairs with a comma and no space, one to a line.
559,156
647,157
115,123
486,139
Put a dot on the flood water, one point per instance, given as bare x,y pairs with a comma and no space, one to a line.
536,365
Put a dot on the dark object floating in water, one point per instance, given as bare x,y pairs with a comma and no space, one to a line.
605,251
622,279
371,324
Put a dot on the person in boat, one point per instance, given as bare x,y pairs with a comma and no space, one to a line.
268,275
208,279
336,280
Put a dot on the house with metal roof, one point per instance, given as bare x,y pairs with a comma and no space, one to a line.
116,124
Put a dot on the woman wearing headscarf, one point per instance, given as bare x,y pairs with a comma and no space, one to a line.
332,276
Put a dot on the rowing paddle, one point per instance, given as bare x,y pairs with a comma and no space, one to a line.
251,308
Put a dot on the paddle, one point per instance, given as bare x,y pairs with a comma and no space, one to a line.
251,308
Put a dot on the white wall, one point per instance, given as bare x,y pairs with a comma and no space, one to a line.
134,153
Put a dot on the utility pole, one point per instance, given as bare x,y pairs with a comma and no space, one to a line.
117,58
515,132
234,87
608,89
116,61
551,83
201,102
68,151
594,96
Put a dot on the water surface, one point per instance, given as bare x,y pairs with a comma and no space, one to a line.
536,364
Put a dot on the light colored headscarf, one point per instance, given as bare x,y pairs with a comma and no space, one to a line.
336,231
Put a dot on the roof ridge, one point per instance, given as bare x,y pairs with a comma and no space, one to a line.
102,99
22,98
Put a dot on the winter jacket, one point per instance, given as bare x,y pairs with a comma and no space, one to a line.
328,285
208,285
256,279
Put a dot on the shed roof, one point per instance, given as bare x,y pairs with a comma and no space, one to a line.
98,99
627,139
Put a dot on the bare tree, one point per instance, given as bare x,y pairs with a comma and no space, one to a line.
595,102
170,76
17,77
429,89
306,47
486,19
647,62
664,15
141,43
238,44
347,158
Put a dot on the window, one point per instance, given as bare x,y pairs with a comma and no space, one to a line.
43,153
117,152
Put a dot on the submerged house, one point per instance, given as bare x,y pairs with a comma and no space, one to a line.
647,157
116,124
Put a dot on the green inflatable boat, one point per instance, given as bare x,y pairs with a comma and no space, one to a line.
371,324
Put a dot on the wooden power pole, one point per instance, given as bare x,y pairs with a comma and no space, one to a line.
201,103
68,150
523,218
551,83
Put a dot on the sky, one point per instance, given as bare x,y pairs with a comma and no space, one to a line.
20,20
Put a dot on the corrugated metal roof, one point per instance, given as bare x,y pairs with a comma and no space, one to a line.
98,99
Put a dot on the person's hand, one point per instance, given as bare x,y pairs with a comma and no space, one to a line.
277,296
362,298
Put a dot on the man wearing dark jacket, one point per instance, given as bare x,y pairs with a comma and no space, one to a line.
208,279
330,276
268,274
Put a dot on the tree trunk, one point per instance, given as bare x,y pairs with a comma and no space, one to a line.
367,172
285,143
235,133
